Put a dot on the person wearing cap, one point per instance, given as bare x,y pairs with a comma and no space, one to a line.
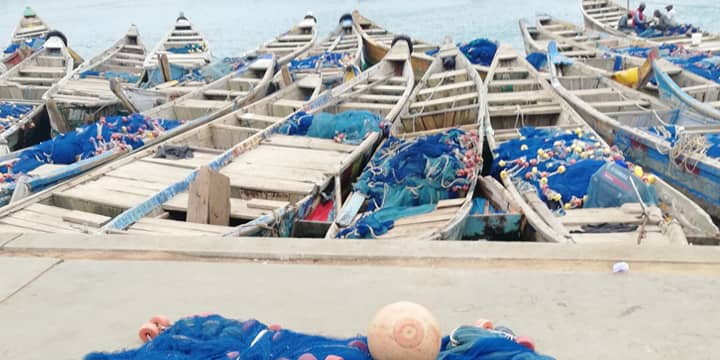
670,12
662,22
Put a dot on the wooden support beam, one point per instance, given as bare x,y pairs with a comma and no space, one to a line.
209,200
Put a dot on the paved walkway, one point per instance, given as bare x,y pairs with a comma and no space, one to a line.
62,301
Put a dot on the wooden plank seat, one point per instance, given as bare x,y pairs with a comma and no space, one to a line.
458,99
611,105
295,37
448,87
446,74
41,70
385,89
173,227
366,106
257,120
224,93
518,97
513,110
391,99
32,80
594,92
307,142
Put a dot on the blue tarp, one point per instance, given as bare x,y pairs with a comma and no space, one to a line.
478,51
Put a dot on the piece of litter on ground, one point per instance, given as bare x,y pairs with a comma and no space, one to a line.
621,267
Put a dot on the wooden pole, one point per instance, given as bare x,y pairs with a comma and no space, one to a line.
209,198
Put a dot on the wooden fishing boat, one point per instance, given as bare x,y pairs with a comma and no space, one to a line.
242,87
285,47
518,97
288,172
289,45
448,101
342,48
86,96
637,124
28,36
252,118
682,87
26,83
183,49
603,15
378,41
248,83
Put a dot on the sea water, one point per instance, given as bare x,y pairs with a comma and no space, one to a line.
233,26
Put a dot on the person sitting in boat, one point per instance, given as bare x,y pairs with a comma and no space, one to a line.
639,19
662,22
670,12
625,22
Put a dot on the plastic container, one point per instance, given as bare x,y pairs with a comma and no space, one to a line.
610,187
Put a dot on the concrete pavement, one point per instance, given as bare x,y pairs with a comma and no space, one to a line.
75,297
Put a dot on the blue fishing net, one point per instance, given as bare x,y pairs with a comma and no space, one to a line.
10,113
639,51
537,60
87,141
325,60
408,177
188,49
348,127
703,64
33,43
470,342
120,75
216,337
155,76
478,51
675,30
710,146
559,164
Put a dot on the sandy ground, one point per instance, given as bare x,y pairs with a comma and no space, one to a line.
68,300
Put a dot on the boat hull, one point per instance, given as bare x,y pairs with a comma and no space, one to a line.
697,180
375,52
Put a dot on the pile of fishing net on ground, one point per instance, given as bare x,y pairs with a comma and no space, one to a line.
571,169
478,51
408,177
121,132
32,43
348,127
324,60
10,113
120,75
188,49
707,144
215,337
700,63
